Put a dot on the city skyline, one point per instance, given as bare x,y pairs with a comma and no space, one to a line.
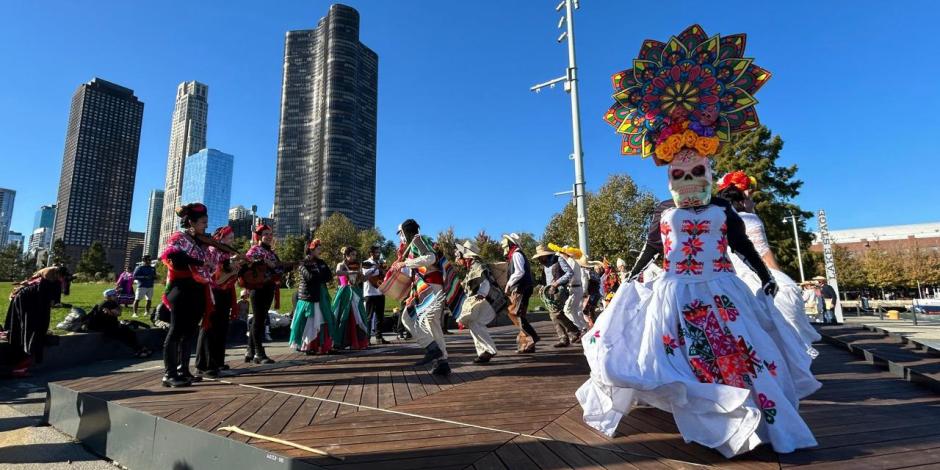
326,152
7,204
501,129
99,166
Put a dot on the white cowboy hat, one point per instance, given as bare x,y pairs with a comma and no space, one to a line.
513,238
469,249
621,262
541,251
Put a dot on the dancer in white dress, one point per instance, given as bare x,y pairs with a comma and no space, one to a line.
736,187
692,344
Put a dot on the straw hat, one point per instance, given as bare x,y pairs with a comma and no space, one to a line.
542,250
819,278
621,263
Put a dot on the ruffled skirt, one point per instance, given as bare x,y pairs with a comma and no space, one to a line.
696,350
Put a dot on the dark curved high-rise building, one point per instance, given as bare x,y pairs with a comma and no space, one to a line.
327,139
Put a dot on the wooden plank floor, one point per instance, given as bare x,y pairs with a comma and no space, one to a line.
862,417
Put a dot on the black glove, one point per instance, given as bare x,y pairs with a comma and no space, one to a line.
770,288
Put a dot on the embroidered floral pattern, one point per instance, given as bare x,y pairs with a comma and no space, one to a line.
768,407
723,263
670,344
691,247
726,309
595,336
715,355
771,367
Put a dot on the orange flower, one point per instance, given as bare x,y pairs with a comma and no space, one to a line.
675,142
665,153
706,145
688,138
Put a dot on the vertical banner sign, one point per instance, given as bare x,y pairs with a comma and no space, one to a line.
829,260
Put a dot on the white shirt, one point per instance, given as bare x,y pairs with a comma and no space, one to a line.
368,290
518,269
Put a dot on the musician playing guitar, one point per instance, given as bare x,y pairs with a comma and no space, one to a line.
225,263
262,277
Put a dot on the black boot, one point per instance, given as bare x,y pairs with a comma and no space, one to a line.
185,354
441,368
380,339
484,358
174,381
433,352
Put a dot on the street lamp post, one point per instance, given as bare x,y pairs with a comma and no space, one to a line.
796,239
570,80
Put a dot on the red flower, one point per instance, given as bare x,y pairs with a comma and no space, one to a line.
692,246
738,179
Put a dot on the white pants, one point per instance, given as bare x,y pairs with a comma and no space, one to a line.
425,326
475,314
573,307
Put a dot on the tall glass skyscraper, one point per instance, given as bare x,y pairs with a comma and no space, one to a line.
327,136
207,178
45,217
154,216
99,165
187,136
7,196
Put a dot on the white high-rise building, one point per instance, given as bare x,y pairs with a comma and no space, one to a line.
238,212
187,136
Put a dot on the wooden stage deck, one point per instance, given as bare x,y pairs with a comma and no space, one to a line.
518,412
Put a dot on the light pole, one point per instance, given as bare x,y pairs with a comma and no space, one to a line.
796,239
570,80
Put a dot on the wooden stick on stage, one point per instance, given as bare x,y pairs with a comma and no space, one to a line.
238,430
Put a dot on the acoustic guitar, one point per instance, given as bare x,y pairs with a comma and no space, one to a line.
255,275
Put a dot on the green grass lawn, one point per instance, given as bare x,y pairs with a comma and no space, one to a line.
86,295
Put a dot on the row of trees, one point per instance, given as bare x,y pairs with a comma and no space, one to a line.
886,270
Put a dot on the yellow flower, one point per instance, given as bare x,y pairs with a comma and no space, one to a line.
665,153
688,138
706,145
675,142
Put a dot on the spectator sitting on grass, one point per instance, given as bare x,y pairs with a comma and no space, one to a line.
104,318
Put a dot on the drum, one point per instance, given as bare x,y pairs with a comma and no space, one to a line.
397,285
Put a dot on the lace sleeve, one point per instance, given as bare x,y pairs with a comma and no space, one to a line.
755,231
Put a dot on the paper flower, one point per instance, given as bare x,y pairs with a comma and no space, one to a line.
691,82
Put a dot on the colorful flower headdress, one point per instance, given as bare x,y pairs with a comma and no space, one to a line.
690,92
738,179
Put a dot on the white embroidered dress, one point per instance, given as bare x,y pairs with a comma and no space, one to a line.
789,301
692,345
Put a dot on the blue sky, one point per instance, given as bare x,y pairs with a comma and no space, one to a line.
459,132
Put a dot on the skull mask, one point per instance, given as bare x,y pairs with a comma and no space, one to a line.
690,179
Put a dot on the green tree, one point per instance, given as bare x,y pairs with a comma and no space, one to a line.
58,254
447,241
291,248
334,233
490,249
367,239
242,244
883,269
618,218
13,265
849,269
94,260
756,154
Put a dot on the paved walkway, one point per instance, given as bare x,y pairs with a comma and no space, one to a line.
926,332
